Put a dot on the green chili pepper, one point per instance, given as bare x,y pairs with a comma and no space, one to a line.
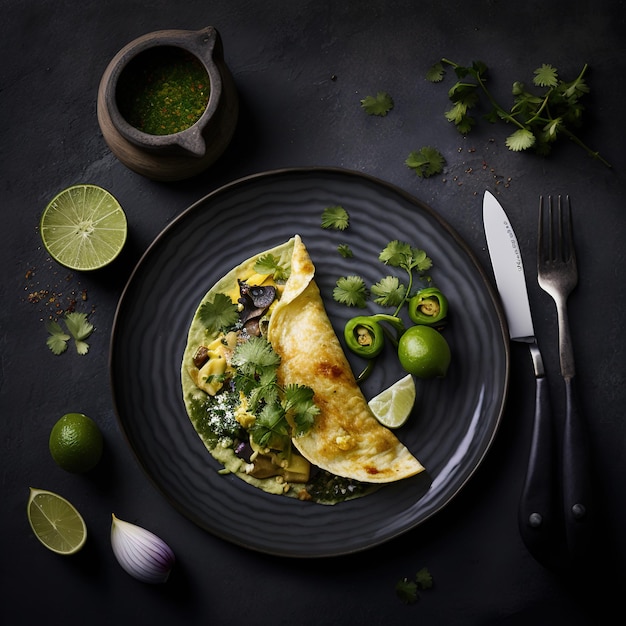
428,306
364,336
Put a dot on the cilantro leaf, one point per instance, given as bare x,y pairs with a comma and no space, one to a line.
57,341
270,428
406,590
79,329
389,291
253,356
520,140
351,291
269,264
220,314
401,254
546,76
424,578
335,217
380,104
345,251
78,325
426,162
299,402
436,73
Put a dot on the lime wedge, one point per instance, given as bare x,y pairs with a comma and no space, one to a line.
84,227
55,522
393,405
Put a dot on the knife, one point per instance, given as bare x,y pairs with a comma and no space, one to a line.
539,513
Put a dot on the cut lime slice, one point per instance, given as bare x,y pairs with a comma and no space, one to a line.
393,406
55,522
84,227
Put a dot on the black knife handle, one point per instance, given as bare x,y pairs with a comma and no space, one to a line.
576,479
539,515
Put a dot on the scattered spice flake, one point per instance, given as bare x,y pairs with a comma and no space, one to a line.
476,168
56,299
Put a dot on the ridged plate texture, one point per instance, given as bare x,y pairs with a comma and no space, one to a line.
455,419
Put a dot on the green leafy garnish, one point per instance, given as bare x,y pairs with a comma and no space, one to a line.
380,104
57,341
408,589
540,118
218,315
426,162
412,260
269,264
345,251
389,291
335,217
400,254
298,402
257,364
79,329
351,291
254,356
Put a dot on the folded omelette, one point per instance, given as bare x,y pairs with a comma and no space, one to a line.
344,451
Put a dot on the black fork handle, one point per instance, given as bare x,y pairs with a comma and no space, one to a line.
576,478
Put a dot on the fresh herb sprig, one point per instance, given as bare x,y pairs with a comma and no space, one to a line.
540,118
388,291
274,406
79,328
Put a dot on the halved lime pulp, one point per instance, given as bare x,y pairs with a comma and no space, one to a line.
84,227
55,522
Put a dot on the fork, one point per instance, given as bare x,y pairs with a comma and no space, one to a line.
557,274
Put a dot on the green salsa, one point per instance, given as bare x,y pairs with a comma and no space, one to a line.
163,91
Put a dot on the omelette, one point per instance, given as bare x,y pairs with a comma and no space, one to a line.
271,308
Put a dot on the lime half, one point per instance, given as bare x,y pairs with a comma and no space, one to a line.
84,227
393,406
55,522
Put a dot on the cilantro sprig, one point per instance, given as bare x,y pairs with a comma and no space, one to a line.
409,258
389,291
275,407
78,328
539,118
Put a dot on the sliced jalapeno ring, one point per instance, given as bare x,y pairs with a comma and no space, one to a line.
428,306
364,336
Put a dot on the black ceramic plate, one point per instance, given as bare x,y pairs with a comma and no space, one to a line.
455,418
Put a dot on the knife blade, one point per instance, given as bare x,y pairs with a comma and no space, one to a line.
538,512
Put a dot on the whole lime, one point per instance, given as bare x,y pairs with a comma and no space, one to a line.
76,443
424,352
